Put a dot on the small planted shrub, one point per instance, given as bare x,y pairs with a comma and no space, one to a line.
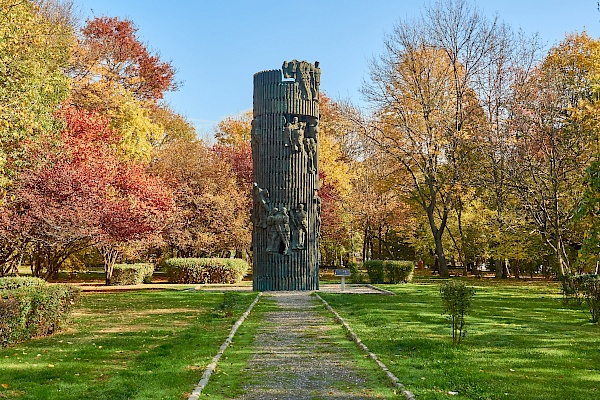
589,285
132,274
230,300
456,300
33,311
374,270
206,270
15,282
398,271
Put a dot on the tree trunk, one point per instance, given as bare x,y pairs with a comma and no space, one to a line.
109,254
439,251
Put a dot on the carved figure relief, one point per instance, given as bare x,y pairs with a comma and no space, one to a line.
256,132
310,148
312,129
283,228
274,241
300,224
278,223
294,134
307,76
261,199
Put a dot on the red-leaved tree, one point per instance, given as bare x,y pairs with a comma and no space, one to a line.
84,195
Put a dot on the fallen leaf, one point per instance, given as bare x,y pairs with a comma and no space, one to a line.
5,385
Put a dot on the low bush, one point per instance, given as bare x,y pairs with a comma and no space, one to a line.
206,270
15,282
132,274
374,270
398,271
32,311
575,288
456,300
357,273
592,297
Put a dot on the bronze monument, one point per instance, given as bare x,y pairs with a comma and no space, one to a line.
285,151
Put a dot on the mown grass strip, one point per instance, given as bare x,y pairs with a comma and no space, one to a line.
522,342
211,367
395,381
131,345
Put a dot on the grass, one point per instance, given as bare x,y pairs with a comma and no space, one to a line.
132,345
233,371
522,342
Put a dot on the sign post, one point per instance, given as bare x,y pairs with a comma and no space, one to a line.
343,272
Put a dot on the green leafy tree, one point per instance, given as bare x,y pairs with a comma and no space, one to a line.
34,53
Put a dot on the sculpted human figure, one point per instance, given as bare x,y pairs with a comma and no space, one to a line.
283,229
315,80
261,198
294,134
312,130
274,240
301,222
304,74
256,133
310,147
288,130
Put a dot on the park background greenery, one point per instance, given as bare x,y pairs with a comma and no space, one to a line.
480,151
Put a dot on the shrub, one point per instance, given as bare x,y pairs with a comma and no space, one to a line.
206,270
456,300
15,282
230,300
574,286
592,298
132,274
398,271
374,270
357,273
32,311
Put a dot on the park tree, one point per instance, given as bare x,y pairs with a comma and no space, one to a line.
234,146
82,195
34,52
554,121
211,213
424,90
135,209
115,74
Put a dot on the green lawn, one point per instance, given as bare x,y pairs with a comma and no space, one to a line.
134,345
522,342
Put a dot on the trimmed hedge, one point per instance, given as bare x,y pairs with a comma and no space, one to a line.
206,270
32,311
132,274
389,271
398,271
374,270
15,282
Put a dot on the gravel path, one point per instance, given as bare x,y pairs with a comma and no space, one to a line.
301,354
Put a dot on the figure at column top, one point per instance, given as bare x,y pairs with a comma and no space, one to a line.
307,75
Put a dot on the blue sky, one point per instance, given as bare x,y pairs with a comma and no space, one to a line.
216,46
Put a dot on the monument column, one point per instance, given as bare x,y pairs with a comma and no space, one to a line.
286,204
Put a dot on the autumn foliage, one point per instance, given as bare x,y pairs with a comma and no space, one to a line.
84,195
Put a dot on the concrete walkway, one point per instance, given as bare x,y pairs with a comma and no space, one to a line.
300,352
